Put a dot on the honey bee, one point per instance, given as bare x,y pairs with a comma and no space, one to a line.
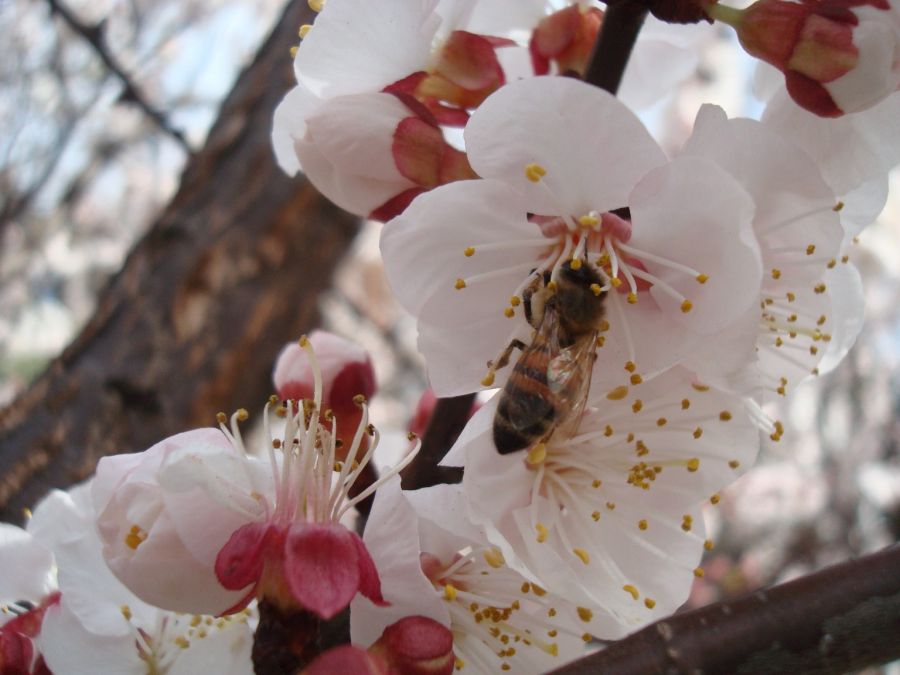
549,384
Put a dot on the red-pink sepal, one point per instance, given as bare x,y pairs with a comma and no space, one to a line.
240,562
325,566
565,38
18,655
348,660
417,645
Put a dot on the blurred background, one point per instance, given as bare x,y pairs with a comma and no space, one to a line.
102,103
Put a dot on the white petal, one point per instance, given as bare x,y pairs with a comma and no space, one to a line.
694,213
392,540
289,125
27,566
848,311
876,74
592,147
793,202
346,151
68,647
358,45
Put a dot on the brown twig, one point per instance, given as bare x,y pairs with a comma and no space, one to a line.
447,422
622,22
93,35
845,617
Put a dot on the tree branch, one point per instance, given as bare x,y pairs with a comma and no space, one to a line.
446,424
93,35
622,22
843,618
230,271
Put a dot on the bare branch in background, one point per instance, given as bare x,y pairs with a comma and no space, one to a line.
131,93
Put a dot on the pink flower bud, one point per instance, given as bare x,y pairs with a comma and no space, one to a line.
838,56
417,645
424,410
347,372
347,660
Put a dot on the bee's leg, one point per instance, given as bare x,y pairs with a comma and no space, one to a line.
503,359
533,311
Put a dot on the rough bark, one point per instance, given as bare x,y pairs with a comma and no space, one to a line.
191,325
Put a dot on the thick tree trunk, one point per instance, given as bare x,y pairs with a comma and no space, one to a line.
229,272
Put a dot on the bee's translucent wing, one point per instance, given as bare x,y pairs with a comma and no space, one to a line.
569,378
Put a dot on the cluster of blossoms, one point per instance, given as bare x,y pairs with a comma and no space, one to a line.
639,311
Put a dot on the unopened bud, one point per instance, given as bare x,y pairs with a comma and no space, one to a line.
417,645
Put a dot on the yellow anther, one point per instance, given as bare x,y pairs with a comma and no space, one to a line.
631,298
642,524
791,297
596,483
693,464
596,289
845,258
509,312
715,499
700,387
585,614
702,278
603,259
649,603
601,340
537,454
487,380
182,642
575,264
776,273
541,530
698,432
838,206
831,264
611,506
687,306
628,588
494,558
636,379
687,522
821,320
317,5
615,282
303,341
449,592
698,572
608,431
595,515
618,393
819,288
552,286
588,220
460,284
637,405
725,416
734,464
293,50
582,555
469,251
126,612
135,537
685,403
661,422
515,301
810,249
630,366
708,545
534,172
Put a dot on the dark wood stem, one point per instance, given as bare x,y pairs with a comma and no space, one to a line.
622,22
446,424
843,618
